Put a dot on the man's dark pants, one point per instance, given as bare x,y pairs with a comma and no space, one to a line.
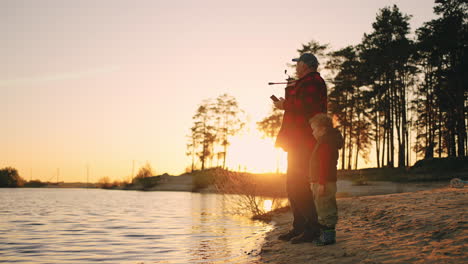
299,194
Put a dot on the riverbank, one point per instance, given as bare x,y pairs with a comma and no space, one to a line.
428,226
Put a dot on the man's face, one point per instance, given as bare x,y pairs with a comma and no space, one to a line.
301,69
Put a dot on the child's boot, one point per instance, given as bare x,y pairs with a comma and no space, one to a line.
327,237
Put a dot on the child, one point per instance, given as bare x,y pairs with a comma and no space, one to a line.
322,175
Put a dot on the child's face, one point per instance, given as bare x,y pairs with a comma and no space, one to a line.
318,131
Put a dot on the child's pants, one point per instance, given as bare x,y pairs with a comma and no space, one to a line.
327,210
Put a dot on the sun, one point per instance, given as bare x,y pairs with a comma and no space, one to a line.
267,205
251,153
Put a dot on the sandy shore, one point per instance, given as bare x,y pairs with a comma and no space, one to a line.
417,227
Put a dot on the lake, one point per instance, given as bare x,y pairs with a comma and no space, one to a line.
49,225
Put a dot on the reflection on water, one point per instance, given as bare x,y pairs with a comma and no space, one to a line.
87,226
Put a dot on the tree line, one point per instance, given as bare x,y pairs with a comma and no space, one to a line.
390,84
385,92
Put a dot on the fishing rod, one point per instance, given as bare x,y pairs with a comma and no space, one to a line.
273,83
290,80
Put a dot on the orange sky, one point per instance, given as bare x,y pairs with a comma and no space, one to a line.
104,83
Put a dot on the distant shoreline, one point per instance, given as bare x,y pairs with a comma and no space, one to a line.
350,183
369,181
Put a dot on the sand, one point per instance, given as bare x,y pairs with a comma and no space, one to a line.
417,227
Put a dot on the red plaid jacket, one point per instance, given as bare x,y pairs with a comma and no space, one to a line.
306,98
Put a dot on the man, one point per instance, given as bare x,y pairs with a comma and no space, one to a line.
305,98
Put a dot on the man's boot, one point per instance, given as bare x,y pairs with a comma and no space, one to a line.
289,235
306,237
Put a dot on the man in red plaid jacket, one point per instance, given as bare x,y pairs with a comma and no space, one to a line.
305,98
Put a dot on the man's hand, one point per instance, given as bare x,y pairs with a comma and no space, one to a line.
279,104
291,83
321,190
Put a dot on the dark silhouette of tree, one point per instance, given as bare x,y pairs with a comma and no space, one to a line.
347,103
230,121
428,124
9,177
192,147
214,123
387,69
203,132
314,47
442,96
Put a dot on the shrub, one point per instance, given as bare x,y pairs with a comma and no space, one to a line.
35,184
147,182
104,183
206,178
144,172
9,177
249,190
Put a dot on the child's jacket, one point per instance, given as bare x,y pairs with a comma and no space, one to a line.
324,157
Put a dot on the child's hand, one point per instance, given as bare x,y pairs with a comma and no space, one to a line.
321,190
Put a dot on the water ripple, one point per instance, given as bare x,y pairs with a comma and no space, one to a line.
88,226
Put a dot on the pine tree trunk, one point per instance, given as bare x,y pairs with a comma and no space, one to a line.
460,117
193,159
350,147
440,134
431,120
392,131
358,146
398,124
224,156
343,154
377,138
402,151
203,157
451,149
384,136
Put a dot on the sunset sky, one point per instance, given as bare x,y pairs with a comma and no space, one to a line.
106,83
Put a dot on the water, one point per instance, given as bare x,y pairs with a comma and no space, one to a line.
90,225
